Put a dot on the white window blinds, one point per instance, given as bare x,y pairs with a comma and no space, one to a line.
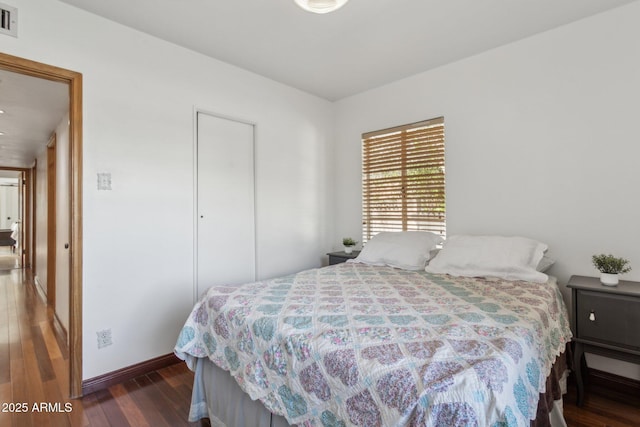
403,179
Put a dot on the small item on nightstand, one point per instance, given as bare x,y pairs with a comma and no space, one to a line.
609,279
610,267
348,244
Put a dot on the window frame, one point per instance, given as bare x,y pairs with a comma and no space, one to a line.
403,179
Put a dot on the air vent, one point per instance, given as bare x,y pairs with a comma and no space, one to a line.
8,20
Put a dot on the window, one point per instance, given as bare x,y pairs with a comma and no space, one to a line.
403,179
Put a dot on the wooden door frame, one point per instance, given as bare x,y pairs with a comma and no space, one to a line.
27,225
31,257
24,233
52,245
74,80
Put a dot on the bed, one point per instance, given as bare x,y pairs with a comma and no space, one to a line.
366,343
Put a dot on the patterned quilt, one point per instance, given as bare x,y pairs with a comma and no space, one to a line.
353,344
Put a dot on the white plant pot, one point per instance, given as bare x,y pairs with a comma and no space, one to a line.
609,279
348,249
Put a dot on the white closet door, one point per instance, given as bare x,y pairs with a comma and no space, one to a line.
225,205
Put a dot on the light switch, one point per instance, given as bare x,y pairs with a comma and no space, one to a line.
104,181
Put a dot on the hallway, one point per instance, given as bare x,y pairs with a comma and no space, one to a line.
34,376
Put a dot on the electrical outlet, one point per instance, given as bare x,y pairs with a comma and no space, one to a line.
104,338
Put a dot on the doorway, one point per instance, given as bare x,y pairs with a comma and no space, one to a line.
225,202
74,82
12,213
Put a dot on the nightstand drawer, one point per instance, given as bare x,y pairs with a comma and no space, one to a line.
615,320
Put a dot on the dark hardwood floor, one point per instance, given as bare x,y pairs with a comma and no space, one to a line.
603,407
34,375
34,371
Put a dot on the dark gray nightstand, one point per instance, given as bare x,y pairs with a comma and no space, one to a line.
606,321
342,256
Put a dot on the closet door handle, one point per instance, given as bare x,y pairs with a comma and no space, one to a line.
592,316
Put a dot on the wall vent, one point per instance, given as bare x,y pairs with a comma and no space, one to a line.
8,20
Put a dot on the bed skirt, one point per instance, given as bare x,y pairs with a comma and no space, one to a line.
217,396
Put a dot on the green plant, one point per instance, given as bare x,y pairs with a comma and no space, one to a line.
348,241
610,264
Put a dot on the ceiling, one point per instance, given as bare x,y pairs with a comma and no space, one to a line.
365,44
33,107
7,176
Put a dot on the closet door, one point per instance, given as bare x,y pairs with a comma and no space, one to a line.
225,202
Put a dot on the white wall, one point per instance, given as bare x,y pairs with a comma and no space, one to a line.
139,100
542,140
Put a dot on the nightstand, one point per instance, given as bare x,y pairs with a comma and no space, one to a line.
606,321
342,256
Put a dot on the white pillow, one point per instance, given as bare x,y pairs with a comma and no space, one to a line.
545,264
409,250
511,258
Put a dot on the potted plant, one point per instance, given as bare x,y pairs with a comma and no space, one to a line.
610,267
348,244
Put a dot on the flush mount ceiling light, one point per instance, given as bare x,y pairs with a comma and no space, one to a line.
321,6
